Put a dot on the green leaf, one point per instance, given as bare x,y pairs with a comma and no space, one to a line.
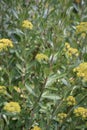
5,118
1,124
85,57
80,127
29,88
19,56
50,96
15,13
64,81
53,78
19,68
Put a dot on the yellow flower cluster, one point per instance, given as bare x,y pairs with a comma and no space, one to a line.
3,90
71,101
83,35
81,70
17,89
82,27
27,24
36,128
61,117
5,43
70,51
12,107
81,112
40,57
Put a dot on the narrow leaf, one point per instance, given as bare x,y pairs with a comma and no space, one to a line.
29,88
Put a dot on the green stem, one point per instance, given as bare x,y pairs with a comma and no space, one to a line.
38,99
39,95
54,111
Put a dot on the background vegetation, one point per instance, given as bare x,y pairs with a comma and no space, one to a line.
42,87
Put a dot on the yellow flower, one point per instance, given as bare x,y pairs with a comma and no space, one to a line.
82,27
61,117
40,57
36,128
73,51
12,107
81,70
83,35
27,24
17,89
69,51
5,43
67,45
3,90
71,101
81,112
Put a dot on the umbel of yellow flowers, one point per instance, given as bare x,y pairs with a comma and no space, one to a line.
71,101
70,51
39,57
81,70
27,24
3,90
61,117
81,112
12,107
36,128
82,27
5,44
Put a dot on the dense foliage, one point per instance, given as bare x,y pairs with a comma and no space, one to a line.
43,65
